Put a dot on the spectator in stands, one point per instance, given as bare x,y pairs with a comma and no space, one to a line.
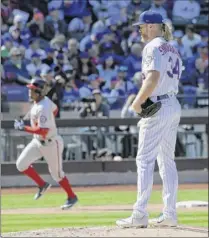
34,47
85,68
16,39
106,47
36,65
134,60
58,43
53,25
183,50
73,52
122,88
204,36
115,36
19,23
196,81
6,15
70,93
186,10
199,76
36,33
91,83
98,26
136,6
93,51
100,8
110,43
15,68
59,63
49,60
29,6
84,41
199,51
78,27
157,6
126,86
4,26
124,42
38,20
202,52
74,8
59,5
137,83
6,47
190,39
107,70
113,24
102,108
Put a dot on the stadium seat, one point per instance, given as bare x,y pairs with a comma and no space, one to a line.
15,93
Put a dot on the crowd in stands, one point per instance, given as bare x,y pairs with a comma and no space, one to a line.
91,44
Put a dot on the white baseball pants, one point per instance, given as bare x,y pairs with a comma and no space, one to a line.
52,152
157,139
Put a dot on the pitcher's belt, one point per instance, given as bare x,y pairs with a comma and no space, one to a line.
165,96
161,97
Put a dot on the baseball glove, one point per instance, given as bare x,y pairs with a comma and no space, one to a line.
149,108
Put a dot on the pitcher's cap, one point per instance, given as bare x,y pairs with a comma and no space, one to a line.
149,17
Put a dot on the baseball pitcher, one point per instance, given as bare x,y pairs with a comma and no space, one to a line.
160,111
45,143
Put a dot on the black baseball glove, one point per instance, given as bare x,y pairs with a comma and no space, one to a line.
149,108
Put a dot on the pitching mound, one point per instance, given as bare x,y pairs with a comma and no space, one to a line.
112,232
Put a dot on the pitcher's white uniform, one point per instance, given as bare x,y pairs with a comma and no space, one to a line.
51,147
157,134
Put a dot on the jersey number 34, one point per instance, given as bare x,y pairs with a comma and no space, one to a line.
173,72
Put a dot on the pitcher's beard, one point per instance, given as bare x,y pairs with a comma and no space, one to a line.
144,38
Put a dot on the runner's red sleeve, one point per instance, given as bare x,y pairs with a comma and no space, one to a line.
40,131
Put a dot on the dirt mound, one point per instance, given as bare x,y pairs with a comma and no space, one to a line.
111,232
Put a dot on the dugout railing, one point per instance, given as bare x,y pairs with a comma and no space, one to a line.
86,144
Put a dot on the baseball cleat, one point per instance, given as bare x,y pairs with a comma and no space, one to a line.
163,221
69,203
42,190
140,222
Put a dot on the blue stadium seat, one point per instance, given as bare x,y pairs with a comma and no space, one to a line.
15,93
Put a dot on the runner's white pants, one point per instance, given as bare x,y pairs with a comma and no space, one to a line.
52,153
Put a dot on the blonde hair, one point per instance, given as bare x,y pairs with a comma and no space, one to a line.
167,30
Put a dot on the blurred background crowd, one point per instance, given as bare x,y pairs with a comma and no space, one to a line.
88,51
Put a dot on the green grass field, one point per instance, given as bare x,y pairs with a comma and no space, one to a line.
10,201
14,222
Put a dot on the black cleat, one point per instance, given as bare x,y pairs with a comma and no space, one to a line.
69,203
42,190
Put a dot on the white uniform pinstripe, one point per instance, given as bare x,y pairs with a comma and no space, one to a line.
157,134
